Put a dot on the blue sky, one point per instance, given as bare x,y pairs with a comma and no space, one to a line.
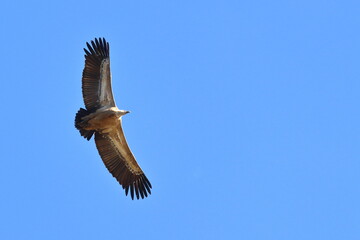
244,116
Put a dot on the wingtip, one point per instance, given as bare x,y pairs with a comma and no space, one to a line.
98,47
139,189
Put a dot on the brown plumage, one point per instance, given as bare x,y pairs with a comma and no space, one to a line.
102,118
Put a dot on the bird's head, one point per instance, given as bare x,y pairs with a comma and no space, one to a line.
121,113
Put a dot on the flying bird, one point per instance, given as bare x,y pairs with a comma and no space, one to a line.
102,118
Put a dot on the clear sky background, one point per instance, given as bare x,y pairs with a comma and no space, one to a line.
244,116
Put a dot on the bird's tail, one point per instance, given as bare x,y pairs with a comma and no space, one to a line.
79,124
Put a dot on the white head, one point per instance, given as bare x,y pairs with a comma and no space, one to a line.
121,113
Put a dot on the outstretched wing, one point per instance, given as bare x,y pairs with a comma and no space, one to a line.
121,163
96,78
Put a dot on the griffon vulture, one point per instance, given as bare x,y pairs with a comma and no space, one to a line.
102,118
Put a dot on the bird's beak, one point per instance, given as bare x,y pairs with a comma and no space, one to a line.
126,112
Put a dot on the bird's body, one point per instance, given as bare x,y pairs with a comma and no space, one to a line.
102,118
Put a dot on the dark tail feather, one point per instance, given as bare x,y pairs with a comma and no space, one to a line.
85,133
